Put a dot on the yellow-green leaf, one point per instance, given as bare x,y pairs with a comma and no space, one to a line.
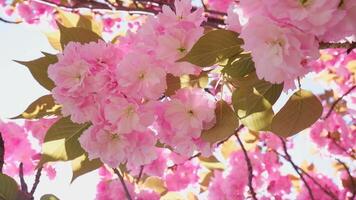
49,197
61,141
83,165
253,102
39,67
214,47
8,188
240,67
302,110
156,184
43,106
226,123
76,34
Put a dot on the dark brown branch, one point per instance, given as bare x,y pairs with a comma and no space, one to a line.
344,45
302,172
191,158
337,101
249,166
2,153
37,180
296,168
128,196
22,180
9,22
140,174
353,183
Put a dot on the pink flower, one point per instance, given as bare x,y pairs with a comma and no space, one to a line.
140,77
175,45
233,18
314,17
84,76
278,53
106,145
220,5
184,175
182,13
113,190
188,110
140,148
39,127
127,116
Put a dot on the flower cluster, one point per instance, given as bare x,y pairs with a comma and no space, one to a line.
284,36
120,89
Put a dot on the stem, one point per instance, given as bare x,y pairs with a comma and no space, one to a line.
337,101
140,174
37,180
2,153
249,166
9,22
353,184
128,196
22,180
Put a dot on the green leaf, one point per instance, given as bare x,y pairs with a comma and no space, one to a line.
226,123
214,47
61,141
8,188
43,106
259,121
49,197
302,110
39,67
253,102
240,67
76,34
83,165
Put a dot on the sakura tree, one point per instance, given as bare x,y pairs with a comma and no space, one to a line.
189,99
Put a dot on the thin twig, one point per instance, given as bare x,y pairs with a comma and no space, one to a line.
337,101
296,168
37,180
353,183
301,172
128,196
22,180
140,174
2,153
190,158
249,166
9,22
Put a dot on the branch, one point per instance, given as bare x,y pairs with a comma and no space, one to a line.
190,158
140,174
2,153
344,45
296,168
302,172
128,196
9,22
37,180
22,180
249,166
353,184
337,101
